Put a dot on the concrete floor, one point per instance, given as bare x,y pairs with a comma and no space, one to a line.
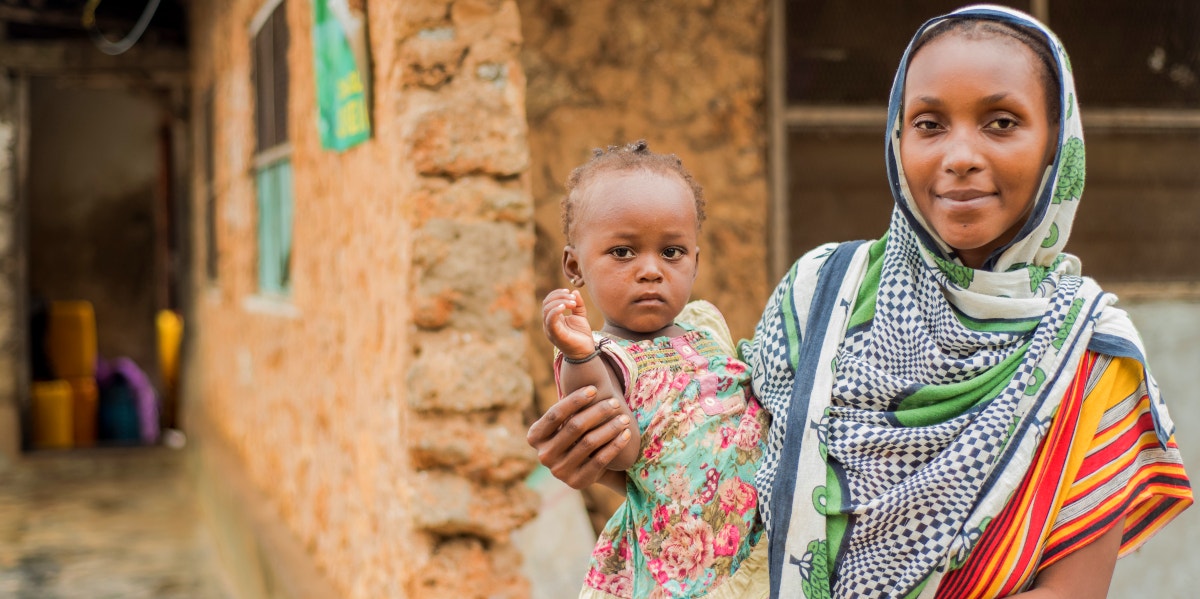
99,524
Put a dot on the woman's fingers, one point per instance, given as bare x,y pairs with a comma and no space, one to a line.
548,429
579,436
588,460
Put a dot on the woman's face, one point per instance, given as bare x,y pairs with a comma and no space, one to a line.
975,139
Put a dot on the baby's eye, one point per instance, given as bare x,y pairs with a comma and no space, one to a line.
673,253
621,252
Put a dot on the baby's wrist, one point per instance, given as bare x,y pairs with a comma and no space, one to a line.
574,357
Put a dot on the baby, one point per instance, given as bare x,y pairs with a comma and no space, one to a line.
689,526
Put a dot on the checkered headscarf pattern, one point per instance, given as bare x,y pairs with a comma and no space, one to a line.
911,489
773,373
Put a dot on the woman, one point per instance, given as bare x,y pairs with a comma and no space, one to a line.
956,411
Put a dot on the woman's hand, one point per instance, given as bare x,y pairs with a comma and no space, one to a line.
564,320
579,436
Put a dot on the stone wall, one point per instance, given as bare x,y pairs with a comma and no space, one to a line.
687,76
378,409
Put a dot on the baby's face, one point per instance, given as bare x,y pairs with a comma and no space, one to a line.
636,248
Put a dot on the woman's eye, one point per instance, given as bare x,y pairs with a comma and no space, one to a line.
926,125
1002,123
621,252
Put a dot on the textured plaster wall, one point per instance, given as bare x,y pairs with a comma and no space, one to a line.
378,409
689,77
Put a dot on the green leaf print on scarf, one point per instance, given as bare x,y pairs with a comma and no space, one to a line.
1068,323
1035,385
814,570
1071,171
1037,274
1070,105
958,274
1051,237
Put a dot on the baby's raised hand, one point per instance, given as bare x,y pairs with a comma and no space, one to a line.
564,320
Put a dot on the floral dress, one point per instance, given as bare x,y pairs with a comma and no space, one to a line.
690,518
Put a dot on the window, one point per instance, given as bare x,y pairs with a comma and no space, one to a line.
272,162
1140,92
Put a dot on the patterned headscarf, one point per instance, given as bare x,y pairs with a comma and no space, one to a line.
910,392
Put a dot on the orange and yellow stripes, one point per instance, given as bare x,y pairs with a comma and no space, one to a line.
1100,462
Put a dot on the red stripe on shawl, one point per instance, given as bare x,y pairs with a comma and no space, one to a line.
1026,516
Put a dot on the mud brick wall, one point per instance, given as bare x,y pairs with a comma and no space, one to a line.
378,409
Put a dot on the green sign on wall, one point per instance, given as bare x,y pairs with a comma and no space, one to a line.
342,75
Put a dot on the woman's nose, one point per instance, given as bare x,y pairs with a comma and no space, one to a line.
962,155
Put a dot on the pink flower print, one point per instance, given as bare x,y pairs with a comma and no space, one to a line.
726,436
686,418
687,549
749,434
649,386
603,550
660,518
734,366
620,585
681,381
658,569
679,486
727,541
643,537
653,449
737,496
752,408
625,552
723,384
594,579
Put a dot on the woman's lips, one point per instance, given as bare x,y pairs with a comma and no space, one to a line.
965,195
964,200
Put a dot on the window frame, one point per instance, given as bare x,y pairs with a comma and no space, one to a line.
272,172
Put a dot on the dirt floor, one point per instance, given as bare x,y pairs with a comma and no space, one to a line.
99,524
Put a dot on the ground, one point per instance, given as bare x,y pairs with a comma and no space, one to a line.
99,524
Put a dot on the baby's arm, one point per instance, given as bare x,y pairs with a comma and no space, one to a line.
565,323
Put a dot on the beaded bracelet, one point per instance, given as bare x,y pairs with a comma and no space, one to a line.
589,357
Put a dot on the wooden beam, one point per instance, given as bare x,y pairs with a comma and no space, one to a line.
67,57
42,17
33,16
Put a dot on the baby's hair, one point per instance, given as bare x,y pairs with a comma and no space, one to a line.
978,28
630,157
